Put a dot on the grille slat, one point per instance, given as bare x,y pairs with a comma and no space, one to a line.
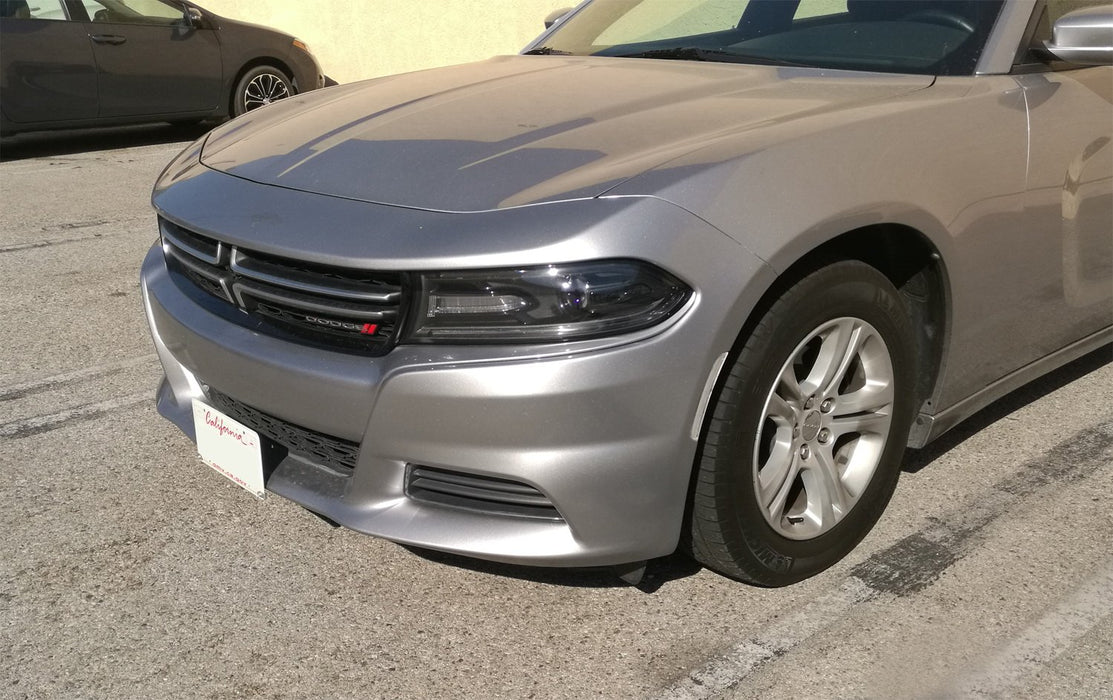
204,249
245,292
303,281
478,493
337,453
337,308
207,277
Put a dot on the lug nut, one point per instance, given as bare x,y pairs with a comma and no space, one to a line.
805,452
827,405
824,435
810,404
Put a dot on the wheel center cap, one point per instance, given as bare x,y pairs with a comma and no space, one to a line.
811,426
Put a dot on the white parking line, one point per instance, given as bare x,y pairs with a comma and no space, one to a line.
32,386
723,673
26,427
1043,640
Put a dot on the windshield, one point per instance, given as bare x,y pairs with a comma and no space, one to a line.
935,37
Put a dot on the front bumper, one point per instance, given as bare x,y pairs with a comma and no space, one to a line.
602,429
604,435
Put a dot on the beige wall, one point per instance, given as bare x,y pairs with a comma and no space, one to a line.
356,39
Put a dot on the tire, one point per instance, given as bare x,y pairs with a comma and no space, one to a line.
258,87
803,446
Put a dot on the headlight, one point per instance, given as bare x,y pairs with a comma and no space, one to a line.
545,304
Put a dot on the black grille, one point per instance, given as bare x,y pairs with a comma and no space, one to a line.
478,493
339,454
338,308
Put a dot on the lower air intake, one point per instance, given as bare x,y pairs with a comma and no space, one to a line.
478,493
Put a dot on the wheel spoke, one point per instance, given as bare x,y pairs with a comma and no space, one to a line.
775,482
788,387
826,493
876,395
861,424
836,353
254,94
781,411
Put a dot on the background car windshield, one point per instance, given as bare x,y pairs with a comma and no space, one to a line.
940,37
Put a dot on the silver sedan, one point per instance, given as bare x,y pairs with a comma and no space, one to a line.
684,273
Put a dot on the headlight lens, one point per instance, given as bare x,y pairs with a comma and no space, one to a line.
545,304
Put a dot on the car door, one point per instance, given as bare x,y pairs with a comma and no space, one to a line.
48,70
151,60
1069,197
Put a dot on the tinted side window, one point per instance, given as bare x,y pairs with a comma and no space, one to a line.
155,12
42,9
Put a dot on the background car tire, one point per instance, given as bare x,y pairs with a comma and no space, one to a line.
258,87
757,510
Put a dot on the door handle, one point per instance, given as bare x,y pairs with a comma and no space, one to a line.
114,39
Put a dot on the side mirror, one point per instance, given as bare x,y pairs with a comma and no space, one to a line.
555,16
1084,36
194,18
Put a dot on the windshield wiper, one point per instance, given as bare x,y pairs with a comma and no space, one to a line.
546,51
694,53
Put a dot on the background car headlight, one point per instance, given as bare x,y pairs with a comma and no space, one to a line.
545,304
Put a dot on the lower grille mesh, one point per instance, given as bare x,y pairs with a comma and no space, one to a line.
336,453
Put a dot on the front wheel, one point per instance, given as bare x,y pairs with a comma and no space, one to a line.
803,448
258,87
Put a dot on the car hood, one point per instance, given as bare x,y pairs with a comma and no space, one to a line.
520,130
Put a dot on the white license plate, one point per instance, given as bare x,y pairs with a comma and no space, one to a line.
229,447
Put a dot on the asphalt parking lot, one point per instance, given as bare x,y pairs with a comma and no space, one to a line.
129,569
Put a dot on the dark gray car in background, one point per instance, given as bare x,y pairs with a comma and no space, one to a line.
76,63
686,273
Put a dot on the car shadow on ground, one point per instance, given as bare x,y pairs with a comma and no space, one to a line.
657,573
45,144
915,460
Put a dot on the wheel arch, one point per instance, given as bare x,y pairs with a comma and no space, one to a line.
913,263
915,266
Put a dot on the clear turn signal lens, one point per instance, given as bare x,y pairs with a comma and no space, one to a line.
545,304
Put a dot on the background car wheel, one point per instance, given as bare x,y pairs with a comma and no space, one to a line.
803,448
260,86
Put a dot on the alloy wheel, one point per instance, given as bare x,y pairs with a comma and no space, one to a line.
823,428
